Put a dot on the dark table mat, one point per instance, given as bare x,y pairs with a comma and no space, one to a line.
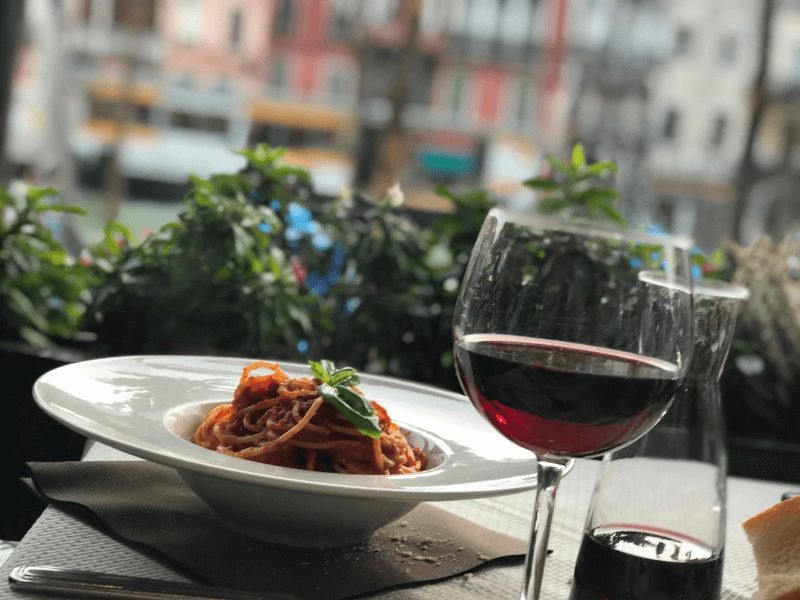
150,505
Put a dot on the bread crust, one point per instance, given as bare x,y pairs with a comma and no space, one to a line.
768,517
774,535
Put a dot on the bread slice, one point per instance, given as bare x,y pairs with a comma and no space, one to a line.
774,535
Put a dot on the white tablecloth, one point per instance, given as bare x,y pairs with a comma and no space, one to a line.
62,540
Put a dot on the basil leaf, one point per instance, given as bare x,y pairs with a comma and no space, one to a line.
344,376
328,366
353,407
319,371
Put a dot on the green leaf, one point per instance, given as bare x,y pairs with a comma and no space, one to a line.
300,317
34,338
444,192
24,307
578,156
552,204
35,194
328,366
597,195
319,371
344,376
608,211
542,184
62,208
353,407
559,165
599,169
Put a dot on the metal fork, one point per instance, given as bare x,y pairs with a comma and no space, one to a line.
74,582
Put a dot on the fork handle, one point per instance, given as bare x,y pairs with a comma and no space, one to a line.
88,584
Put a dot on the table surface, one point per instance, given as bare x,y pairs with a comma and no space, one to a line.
59,539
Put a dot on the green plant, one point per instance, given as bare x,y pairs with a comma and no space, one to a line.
214,281
570,188
258,265
43,290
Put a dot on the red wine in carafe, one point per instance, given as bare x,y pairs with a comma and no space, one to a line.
563,399
642,565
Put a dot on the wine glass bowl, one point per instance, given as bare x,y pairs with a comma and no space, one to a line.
571,339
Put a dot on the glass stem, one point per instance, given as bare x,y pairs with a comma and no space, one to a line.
548,478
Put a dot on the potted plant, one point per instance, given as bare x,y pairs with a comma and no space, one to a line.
43,295
258,265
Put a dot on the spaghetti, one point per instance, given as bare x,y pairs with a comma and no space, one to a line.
284,421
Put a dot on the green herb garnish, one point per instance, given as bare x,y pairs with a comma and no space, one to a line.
335,388
569,188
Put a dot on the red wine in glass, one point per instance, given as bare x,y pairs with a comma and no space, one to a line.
563,399
632,564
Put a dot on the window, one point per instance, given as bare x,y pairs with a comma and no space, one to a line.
339,88
185,80
457,83
728,49
277,72
683,41
794,67
521,108
84,11
718,131
235,38
344,14
284,17
185,120
223,84
102,109
142,114
189,22
135,15
671,123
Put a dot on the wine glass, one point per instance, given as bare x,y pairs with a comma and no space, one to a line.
571,339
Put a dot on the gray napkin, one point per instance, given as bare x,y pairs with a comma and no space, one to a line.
150,505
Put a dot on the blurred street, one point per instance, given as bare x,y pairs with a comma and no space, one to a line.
143,216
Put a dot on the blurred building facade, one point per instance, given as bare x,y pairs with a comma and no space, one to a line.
700,113
476,91
769,194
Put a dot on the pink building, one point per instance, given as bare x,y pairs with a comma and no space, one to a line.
313,56
224,42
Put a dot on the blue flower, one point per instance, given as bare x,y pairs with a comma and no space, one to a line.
636,262
697,272
275,205
317,284
654,229
655,255
351,305
321,241
264,227
332,275
302,346
54,302
338,256
293,234
300,218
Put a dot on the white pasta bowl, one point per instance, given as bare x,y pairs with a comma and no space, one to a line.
149,406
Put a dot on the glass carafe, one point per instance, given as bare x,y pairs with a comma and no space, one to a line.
656,524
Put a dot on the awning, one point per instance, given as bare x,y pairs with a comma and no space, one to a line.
137,93
299,115
108,131
447,162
